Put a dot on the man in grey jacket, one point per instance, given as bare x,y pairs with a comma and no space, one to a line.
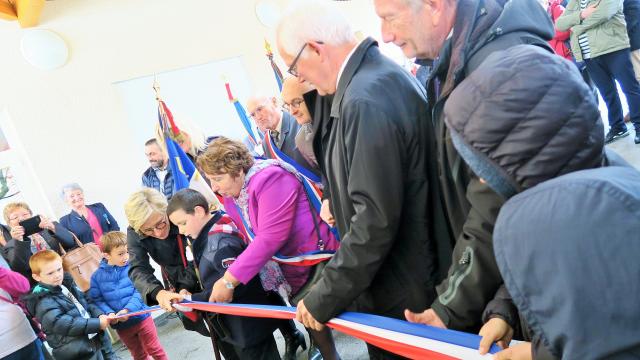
371,149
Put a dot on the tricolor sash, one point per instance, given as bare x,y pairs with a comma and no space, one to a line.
310,181
307,259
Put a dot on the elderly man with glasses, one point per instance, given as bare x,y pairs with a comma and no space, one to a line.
278,126
293,101
374,145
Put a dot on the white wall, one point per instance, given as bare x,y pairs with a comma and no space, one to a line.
71,120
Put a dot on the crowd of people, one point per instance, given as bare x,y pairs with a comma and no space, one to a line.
477,196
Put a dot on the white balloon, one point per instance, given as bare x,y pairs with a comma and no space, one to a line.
44,49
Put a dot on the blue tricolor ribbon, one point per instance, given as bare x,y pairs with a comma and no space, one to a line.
414,341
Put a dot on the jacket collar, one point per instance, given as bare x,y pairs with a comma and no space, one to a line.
105,266
349,71
200,243
473,19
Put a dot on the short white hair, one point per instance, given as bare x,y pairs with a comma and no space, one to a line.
312,20
69,188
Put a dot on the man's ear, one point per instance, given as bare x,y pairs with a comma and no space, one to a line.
436,10
317,47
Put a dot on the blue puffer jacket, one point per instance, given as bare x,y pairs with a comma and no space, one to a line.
112,290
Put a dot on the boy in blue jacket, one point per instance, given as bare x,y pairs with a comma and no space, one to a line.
113,292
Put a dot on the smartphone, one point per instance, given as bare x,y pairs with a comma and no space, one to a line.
31,225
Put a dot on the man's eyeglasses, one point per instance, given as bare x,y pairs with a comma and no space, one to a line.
295,104
293,69
159,226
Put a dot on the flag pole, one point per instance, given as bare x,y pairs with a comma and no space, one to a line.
164,115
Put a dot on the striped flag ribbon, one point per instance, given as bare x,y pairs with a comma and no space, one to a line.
414,341
309,180
307,259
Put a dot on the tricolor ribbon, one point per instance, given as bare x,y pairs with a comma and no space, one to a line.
242,115
310,181
414,341
307,259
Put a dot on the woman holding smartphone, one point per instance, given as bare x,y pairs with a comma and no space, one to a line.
18,249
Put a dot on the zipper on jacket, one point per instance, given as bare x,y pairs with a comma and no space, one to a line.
465,264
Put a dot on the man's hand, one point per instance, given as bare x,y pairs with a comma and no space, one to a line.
184,292
588,11
325,213
17,232
122,312
304,316
521,351
427,317
495,330
220,292
104,321
46,223
165,298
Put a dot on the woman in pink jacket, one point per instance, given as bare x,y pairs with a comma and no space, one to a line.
267,200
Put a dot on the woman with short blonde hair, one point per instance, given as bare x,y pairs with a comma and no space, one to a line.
142,204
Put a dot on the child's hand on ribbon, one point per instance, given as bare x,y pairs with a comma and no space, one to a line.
122,312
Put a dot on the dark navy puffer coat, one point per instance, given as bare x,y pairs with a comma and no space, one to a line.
523,117
568,252
61,320
112,290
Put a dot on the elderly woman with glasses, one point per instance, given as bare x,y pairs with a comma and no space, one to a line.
88,222
150,235
267,199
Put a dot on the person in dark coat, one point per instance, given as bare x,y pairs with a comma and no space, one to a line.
150,235
567,139
373,156
575,238
458,36
72,325
88,222
18,249
216,244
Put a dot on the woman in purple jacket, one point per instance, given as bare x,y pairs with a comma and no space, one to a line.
267,200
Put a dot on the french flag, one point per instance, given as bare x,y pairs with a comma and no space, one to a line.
185,174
